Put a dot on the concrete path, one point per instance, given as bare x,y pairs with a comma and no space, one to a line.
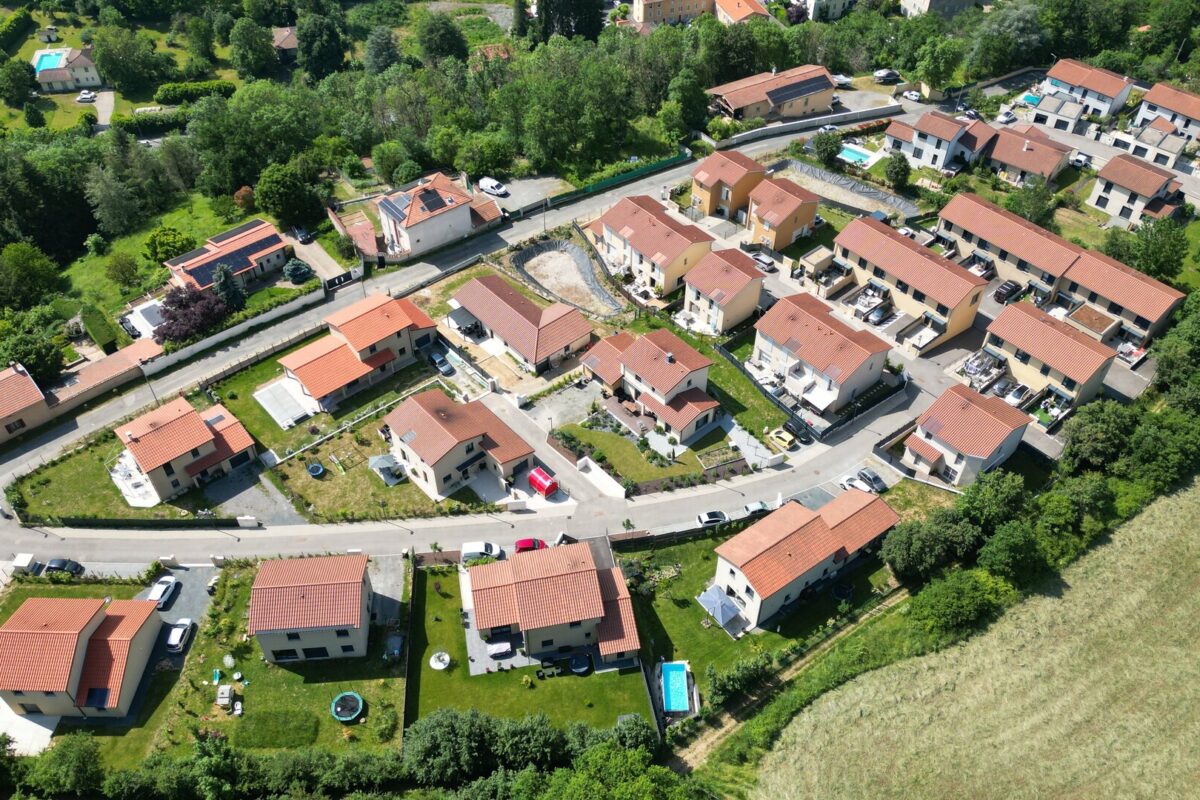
30,734
105,101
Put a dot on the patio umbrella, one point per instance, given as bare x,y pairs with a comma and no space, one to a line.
714,601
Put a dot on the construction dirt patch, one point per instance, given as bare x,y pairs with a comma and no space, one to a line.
558,272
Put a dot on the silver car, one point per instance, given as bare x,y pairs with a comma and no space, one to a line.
181,633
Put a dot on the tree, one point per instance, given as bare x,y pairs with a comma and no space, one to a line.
27,276
226,287
897,170
243,198
570,18
17,80
128,60
283,193
320,50
33,115
670,117
1160,247
449,747
956,603
297,271
609,770
115,203
122,269
937,60
485,153
41,356
381,50
687,90
439,38
72,766
201,39
1096,435
994,498
634,732
188,313
1034,201
827,147
386,156
251,49
1007,38
165,243
520,19
1012,552
916,550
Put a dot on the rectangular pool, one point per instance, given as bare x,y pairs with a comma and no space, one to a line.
1032,99
855,155
675,687
48,61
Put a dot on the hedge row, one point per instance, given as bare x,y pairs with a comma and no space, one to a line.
14,28
172,94
99,327
152,123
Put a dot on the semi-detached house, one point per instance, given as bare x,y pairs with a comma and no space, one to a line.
1129,189
964,434
940,141
1171,104
1020,152
1101,93
722,291
722,182
638,235
781,211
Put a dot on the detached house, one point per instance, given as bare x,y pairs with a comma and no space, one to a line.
722,290
1129,189
1173,105
722,182
782,557
940,141
434,212
76,657
964,434
22,404
824,362
175,448
781,211
1100,92
250,251
669,11
555,600
639,236
731,12
444,445
1058,112
1021,151
311,608
538,338
65,69
797,92
285,43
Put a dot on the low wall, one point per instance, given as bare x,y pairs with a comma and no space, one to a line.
808,123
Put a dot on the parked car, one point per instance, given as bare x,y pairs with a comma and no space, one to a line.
72,568
782,439
879,314
1018,395
440,363
86,96
756,508
961,107
493,187
527,545
855,482
211,586
302,235
1002,387
180,633
476,550
835,100
885,75
872,479
842,81
827,129
983,269
971,113
163,590
979,363
1006,117
802,434
909,232
912,94
764,261
710,518
1080,160
1006,291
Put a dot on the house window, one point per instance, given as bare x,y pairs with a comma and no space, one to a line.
175,483
1004,255
168,469
15,425
342,633
1022,356
372,349
547,643
293,637
22,694
1116,308
1141,322
347,648
1045,370
195,453
1022,265
877,272
1070,384
30,708
1101,202
576,624
48,694
749,592
941,309
731,573
901,286
918,295
316,652
470,447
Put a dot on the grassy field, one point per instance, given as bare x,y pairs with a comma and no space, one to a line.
1087,689
628,461
914,500
18,593
435,300
670,622
596,699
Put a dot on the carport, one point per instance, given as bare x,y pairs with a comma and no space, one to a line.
284,401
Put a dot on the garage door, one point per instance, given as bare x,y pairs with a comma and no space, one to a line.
240,459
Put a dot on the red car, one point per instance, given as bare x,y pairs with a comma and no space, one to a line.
525,545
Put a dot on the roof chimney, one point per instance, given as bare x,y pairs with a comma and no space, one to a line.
1026,148
670,358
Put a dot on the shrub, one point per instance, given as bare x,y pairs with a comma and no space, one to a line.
297,271
14,27
384,722
172,94
956,603
153,123
99,327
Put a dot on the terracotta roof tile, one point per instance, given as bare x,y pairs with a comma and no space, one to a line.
1134,290
107,659
898,129
1076,73
1006,230
740,10
38,643
971,423
923,449
239,248
1163,124
604,357
537,589
756,88
727,167
95,373
433,197
1029,150
977,136
229,436
284,38
1059,344
723,274
534,332
942,126
324,366
650,230
807,328
17,391
374,318
302,593
164,434
1133,173
683,409
662,360
776,199
432,425
1174,99
618,629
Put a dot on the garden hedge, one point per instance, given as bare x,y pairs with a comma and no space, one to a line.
172,94
100,328
14,27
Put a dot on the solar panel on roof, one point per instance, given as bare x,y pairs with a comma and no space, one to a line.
396,208
431,200
798,89
232,232
408,437
97,697
237,260
199,251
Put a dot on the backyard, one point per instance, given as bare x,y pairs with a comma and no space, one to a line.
835,220
596,699
434,300
915,500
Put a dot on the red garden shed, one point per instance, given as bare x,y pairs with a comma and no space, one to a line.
542,482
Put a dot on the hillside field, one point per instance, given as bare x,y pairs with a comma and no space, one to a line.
1089,689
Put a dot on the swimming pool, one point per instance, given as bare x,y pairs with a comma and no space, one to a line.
675,687
51,60
1032,99
855,155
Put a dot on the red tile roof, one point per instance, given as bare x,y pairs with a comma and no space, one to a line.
303,593
776,199
723,274
324,366
483,210
284,38
942,126
618,629
534,332
95,373
435,195
1029,150
229,436
756,88
604,357
924,449
1174,99
1163,124
662,360
977,136
792,540
727,167
882,245
683,409
241,248
537,589
1133,173
901,130
17,391
432,425
971,423
1101,81
739,10
807,328
38,643
164,434
650,230
1134,290
375,318
1058,344
106,663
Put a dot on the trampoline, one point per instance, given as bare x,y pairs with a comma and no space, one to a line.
316,470
347,707
580,663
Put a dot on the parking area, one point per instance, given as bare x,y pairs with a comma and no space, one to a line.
572,404
191,599
241,493
524,191
387,584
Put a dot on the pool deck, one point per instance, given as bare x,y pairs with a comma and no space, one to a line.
866,163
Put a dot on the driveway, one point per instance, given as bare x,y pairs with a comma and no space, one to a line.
524,191
243,493
30,734
572,404
105,101
325,265
387,584
191,598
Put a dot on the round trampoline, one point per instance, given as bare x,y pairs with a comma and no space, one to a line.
580,663
316,470
347,707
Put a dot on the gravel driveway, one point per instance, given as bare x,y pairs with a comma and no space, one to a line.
104,108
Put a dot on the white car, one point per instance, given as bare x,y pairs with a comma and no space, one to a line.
843,81
472,551
1080,160
178,638
827,129
764,261
909,232
86,96
1006,117
710,518
493,187
163,590
1019,394
756,508
855,482
912,94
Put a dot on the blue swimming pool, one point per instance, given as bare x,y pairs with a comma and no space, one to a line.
1032,99
675,687
50,60
855,155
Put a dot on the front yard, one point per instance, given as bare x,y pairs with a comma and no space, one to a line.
629,462
915,500
835,221
596,699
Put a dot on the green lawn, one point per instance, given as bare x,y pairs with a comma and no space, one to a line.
914,500
835,220
671,622
18,593
596,699
1031,465
738,395
1190,277
285,706
628,461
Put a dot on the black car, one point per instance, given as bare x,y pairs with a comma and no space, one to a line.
872,479
72,568
1006,291
302,235
799,431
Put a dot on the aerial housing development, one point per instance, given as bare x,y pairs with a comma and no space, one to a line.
614,400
